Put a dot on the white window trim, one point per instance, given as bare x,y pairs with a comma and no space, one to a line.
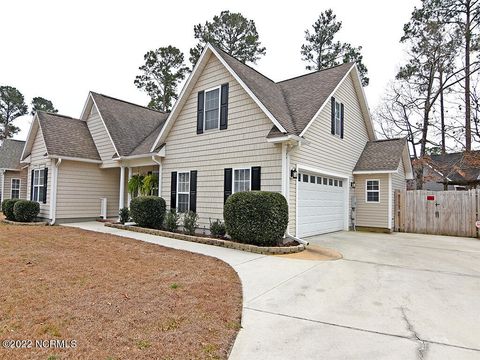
183,193
339,119
219,87
37,186
366,191
233,178
19,187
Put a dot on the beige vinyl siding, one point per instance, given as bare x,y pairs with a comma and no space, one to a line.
39,161
9,175
399,182
100,136
79,189
242,145
372,214
398,179
328,152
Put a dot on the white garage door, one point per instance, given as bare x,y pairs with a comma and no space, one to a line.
321,204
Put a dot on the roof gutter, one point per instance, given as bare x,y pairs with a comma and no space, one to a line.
284,138
53,195
366,172
69,158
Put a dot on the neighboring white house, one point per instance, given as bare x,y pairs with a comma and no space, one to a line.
232,129
13,178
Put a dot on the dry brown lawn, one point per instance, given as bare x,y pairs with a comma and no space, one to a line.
118,298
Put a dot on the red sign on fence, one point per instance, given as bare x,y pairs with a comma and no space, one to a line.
431,197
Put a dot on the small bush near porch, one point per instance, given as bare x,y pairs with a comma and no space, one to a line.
118,298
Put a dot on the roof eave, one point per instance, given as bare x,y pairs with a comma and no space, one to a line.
366,172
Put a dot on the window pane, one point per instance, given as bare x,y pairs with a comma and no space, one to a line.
211,119
35,193
212,109
319,180
211,99
325,181
340,183
335,182
372,196
241,180
312,179
183,202
372,185
330,182
305,178
41,177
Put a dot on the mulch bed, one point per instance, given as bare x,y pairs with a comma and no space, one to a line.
118,298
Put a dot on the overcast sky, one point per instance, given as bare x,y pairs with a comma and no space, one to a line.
62,49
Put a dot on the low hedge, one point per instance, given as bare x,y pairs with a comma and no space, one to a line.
26,210
7,208
148,211
256,217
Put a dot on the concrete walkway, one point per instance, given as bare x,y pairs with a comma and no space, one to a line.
392,297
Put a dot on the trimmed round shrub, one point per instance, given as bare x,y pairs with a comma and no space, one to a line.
7,208
256,217
148,211
26,210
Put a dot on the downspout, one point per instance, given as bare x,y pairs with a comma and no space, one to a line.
53,195
286,149
2,195
159,175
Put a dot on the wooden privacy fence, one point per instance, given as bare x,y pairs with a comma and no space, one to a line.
437,212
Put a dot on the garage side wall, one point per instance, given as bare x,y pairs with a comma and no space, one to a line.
328,152
372,214
80,186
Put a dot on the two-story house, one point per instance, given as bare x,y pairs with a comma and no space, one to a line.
232,129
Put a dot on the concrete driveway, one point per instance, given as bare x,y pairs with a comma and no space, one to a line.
399,296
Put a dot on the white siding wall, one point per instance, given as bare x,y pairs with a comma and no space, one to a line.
80,187
100,136
9,175
38,161
326,151
243,144
372,214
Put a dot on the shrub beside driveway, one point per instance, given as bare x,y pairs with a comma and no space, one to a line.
118,298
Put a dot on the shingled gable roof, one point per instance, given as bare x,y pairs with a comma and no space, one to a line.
291,104
132,128
10,153
381,156
66,136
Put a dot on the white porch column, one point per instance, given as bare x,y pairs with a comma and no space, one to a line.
160,179
121,201
129,196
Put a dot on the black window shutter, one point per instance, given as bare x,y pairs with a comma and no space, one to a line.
31,186
193,190
341,120
227,184
256,178
333,117
224,107
45,183
200,105
173,191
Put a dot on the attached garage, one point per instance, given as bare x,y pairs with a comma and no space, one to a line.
321,204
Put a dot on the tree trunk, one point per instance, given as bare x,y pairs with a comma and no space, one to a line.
468,129
442,114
